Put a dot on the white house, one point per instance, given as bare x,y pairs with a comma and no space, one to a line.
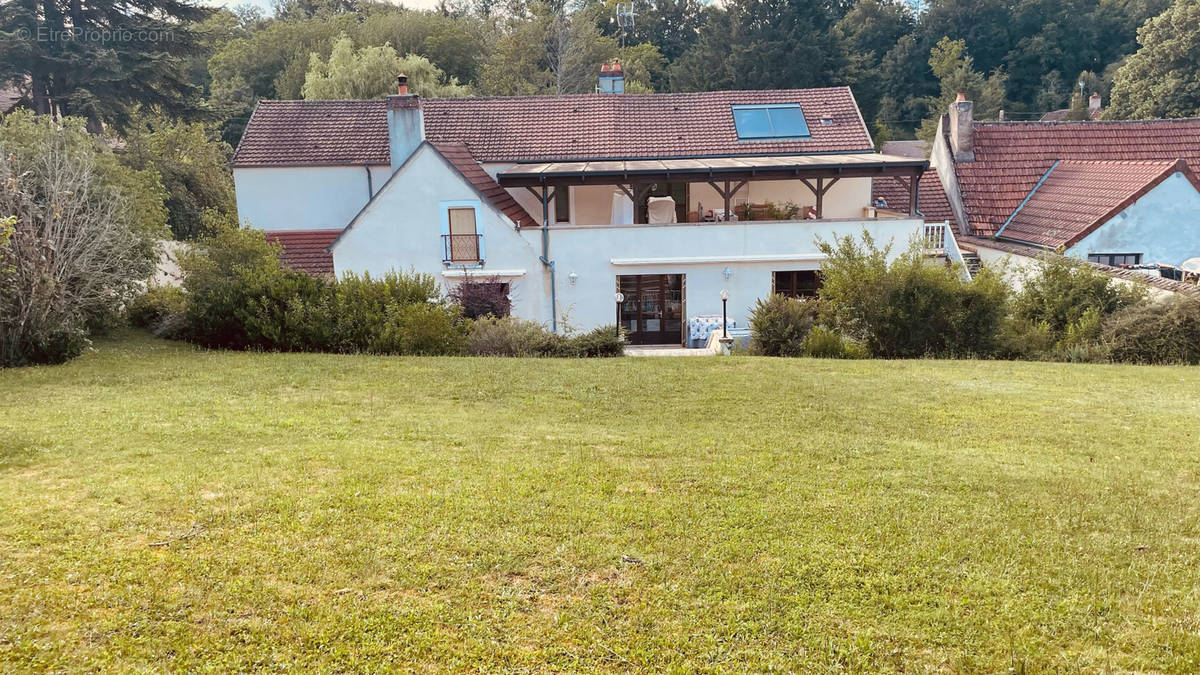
666,199
1120,194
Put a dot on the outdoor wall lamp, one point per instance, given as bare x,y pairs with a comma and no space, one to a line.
619,297
725,312
572,278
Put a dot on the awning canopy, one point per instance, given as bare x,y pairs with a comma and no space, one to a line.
704,169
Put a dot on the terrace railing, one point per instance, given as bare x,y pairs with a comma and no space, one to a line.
462,248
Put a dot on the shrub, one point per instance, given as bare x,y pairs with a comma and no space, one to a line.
482,298
912,306
1071,299
1162,332
422,329
510,336
598,342
240,297
160,309
826,343
73,254
516,337
779,325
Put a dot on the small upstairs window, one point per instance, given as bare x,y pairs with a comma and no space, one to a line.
769,121
1115,259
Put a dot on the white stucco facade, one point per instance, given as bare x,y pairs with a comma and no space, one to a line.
304,197
402,230
1163,225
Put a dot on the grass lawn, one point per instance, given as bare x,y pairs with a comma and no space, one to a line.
361,513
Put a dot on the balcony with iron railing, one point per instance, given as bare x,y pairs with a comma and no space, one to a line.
462,249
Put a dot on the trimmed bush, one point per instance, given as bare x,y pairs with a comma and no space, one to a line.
240,297
1161,332
598,342
516,337
779,325
422,329
509,336
482,298
912,306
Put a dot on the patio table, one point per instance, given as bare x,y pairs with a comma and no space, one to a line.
701,326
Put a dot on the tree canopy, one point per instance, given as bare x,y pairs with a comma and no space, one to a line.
1162,79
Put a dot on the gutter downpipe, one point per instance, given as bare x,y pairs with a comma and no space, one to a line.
370,188
545,259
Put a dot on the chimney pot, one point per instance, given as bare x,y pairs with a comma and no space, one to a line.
402,84
961,98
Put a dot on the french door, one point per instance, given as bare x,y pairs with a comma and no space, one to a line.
653,309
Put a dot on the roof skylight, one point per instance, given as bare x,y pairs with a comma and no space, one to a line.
769,121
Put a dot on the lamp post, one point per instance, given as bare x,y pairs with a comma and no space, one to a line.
724,313
619,297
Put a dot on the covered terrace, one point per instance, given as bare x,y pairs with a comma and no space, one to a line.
818,173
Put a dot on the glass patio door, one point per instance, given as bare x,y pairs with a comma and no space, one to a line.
652,312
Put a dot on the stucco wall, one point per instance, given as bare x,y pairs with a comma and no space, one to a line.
295,198
402,230
1164,226
597,255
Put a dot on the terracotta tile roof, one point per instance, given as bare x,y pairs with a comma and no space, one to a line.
1077,197
458,155
1011,157
315,133
525,128
600,126
931,197
304,250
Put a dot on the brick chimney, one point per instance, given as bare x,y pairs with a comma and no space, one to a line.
1094,104
962,130
612,79
406,123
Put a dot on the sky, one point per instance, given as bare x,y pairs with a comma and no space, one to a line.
265,5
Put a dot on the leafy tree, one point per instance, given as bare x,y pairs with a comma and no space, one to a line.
868,32
75,254
192,168
371,72
1161,78
954,70
95,59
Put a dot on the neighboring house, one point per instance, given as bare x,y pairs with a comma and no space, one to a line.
1094,111
570,200
1122,194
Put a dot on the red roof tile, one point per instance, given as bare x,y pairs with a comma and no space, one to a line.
458,155
304,250
1011,157
525,128
1077,197
931,197
315,133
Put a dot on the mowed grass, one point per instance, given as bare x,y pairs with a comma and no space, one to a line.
361,513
